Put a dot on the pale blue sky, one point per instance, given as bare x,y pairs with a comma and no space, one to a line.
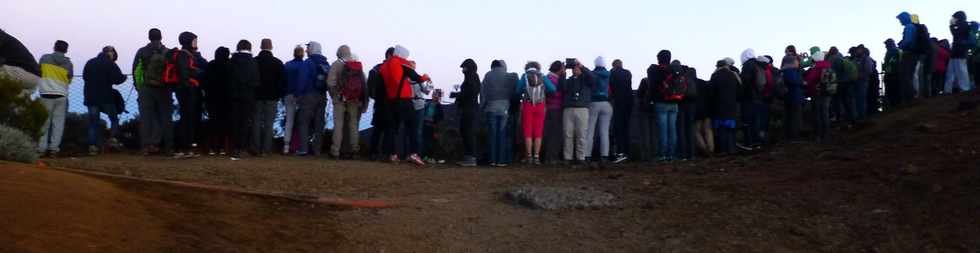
441,34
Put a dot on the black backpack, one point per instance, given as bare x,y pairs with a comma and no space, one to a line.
923,41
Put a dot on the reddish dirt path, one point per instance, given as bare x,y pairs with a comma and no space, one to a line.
47,210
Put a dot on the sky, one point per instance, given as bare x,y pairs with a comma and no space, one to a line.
442,33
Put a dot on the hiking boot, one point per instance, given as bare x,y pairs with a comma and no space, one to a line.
467,161
620,158
415,159
93,150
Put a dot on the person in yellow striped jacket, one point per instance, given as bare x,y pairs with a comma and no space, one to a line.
56,75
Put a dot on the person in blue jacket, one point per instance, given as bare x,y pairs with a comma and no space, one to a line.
600,113
908,59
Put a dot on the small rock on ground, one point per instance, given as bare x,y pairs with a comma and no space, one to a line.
554,198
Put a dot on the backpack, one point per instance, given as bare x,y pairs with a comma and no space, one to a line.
322,71
828,82
761,82
692,88
973,35
850,73
675,86
352,81
150,70
171,72
923,42
777,85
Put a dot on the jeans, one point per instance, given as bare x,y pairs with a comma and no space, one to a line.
401,114
958,73
821,109
906,72
793,120
417,133
621,128
574,121
189,100
726,139
860,99
667,124
600,115
95,129
312,118
496,127
685,130
845,106
156,117
756,115
265,118
54,126
346,116
291,105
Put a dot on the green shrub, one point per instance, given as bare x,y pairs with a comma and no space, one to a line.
16,146
20,112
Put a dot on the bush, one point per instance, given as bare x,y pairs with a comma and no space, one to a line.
20,112
16,146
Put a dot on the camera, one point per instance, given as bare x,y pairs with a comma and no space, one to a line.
571,63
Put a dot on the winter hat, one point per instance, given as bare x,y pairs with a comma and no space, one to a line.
960,16
155,35
401,51
186,39
600,62
762,59
729,61
222,53
814,50
343,52
721,63
747,55
314,48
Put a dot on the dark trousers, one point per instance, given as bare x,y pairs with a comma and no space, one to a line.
685,130
189,102
621,128
380,122
401,115
906,71
468,130
156,106
242,111
793,120
725,139
893,91
553,139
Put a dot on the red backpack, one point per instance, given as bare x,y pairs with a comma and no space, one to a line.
352,81
171,75
675,86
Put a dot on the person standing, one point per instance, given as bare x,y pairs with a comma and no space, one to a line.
217,103
621,93
667,95
725,83
398,75
687,111
156,103
243,81
313,105
892,80
298,83
469,107
600,113
380,118
100,74
553,138
753,106
793,100
186,89
650,95
821,81
56,74
533,88
496,91
957,72
576,98
272,85
348,91
908,58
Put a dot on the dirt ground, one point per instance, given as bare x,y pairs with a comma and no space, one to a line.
907,182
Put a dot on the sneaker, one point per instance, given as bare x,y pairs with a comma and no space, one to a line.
179,155
211,153
235,158
393,159
467,162
416,160
493,164
535,160
285,149
115,144
501,165
93,150
191,155
620,158
430,160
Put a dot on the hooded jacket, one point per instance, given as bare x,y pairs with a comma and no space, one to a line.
497,89
750,69
650,93
534,94
397,75
600,92
13,53
217,82
621,87
56,74
272,76
469,91
343,55
812,76
961,31
724,83
909,33
100,74
244,76
577,90
298,78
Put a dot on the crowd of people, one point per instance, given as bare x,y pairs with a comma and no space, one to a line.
566,114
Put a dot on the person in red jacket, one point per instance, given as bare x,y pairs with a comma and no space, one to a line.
939,68
398,76
817,84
